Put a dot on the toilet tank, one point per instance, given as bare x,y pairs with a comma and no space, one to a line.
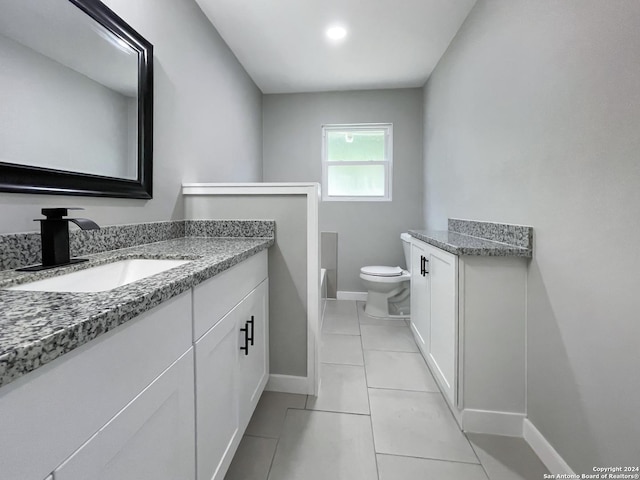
406,247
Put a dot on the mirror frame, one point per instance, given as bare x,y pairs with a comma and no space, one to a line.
26,179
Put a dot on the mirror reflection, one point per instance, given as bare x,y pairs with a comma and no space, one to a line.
68,91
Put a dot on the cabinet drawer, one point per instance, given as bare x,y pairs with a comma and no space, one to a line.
214,298
46,415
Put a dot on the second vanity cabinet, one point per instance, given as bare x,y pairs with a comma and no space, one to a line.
434,285
468,317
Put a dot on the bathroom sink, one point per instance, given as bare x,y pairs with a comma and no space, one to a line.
102,277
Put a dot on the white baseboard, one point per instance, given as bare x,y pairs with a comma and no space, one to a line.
360,296
492,422
549,456
287,384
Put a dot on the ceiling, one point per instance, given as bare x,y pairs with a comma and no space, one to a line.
389,44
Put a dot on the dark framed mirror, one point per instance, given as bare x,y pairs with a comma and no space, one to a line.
76,101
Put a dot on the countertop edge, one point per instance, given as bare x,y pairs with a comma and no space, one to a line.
488,248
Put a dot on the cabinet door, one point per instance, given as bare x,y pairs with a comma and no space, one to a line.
152,437
55,409
443,268
253,364
217,411
419,298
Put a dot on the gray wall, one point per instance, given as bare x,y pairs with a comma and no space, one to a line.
207,114
287,268
532,117
368,232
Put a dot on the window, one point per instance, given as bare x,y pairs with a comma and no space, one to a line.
356,162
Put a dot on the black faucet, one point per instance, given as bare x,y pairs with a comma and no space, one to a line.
54,234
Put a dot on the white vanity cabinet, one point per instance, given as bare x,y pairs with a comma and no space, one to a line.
140,401
434,318
152,437
232,363
468,317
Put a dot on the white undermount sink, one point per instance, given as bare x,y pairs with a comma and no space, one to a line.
103,277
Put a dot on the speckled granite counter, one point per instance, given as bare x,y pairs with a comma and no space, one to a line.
38,327
460,244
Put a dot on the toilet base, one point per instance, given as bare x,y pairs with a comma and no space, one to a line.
394,304
377,304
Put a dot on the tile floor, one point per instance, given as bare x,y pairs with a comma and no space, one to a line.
378,416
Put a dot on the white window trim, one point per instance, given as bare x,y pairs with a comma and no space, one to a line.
388,163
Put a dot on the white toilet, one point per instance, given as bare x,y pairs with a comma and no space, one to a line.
388,287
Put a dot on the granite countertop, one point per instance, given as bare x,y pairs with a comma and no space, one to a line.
460,244
38,327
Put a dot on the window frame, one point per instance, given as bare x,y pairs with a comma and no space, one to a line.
387,163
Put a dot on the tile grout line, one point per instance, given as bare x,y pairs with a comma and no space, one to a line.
335,411
393,351
306,407
275,450
476,454
342,334
345,364
433,459
366,383
402,390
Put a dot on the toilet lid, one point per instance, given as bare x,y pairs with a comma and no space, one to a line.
381,271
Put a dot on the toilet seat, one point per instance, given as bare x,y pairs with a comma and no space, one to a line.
381,271
403,277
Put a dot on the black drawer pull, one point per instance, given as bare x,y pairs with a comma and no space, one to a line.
250,322
246,339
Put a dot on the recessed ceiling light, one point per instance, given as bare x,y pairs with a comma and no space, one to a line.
336,32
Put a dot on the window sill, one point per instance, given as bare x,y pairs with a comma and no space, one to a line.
356,199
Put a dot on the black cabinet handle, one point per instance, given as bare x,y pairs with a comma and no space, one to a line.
423,265
246,339
250,322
